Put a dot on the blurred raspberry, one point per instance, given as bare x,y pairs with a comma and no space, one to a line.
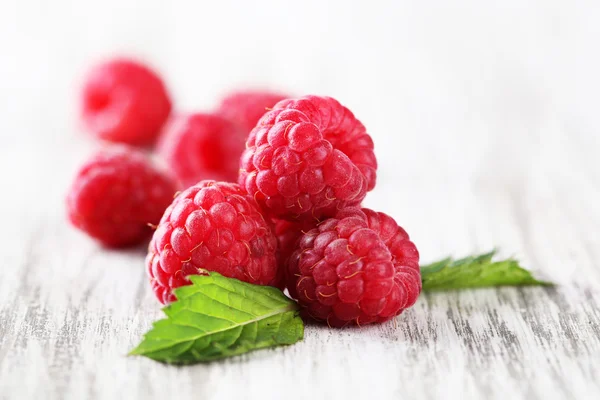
116,194
124,101
246,107
288,233
357,268
214,226
308,158
202,146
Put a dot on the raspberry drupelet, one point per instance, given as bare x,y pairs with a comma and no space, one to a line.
213,226
245,107
202,146
124,101
116,194
357,268
308,158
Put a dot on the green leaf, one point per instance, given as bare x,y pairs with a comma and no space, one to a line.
217,317
476,271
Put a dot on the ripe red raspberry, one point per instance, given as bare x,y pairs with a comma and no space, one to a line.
214,226
124,101
357,268
288,233
308,158
202,146
246,107
116,194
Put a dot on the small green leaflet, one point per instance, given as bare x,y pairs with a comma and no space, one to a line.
476,271
217,317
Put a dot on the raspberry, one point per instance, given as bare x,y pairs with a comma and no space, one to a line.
116,194
202,146
246,107
214,226
308,158
357,268
288,233
124,101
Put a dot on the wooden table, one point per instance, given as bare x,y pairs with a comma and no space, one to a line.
484,140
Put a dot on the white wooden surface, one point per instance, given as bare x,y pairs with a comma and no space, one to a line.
485,118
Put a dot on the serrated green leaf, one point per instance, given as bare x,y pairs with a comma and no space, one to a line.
217,317
476,271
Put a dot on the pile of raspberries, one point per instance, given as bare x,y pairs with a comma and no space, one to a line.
266,189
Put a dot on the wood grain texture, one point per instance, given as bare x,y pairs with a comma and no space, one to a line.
486,129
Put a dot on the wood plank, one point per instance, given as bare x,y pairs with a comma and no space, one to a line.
70,311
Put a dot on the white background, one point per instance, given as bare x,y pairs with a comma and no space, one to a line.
485,116
463,93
